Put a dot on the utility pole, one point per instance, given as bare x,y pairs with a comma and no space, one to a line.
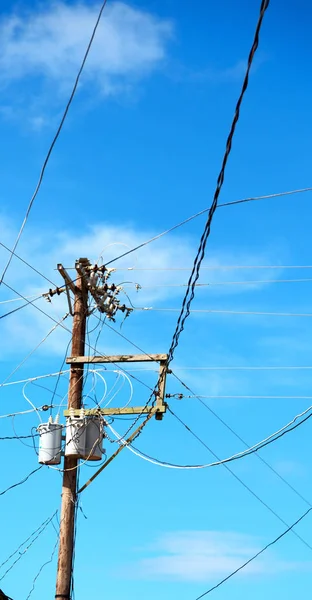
91,282
69,489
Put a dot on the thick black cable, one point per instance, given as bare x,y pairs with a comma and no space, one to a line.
54,139
190,292
290,528
201,250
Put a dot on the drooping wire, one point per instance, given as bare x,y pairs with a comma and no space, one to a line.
290,528
54,141
242,440
254,449
249,489
11,487
215,414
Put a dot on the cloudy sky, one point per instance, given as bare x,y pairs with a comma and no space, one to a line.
140,151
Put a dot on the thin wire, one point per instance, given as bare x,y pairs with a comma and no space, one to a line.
253,449
224,312
215,283
38,531
19,308
42,567
198,214
267,506
69,331
244,442
11,487
290,528
18,299
27,263
180,396
33,351
54,140
213,267
289,485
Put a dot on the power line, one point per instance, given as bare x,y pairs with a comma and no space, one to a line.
18,299
252,450
190,292
54,141
37,531
201,250
243,441
216,283
26,263
11,487
42,567
223,312
212,267
249,489
289,485
290,528
246,397
198,214
69,331
33,351
11,312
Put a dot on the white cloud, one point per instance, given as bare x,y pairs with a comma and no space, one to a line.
205,555
44,249
49,41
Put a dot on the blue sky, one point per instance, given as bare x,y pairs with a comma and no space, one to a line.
140,151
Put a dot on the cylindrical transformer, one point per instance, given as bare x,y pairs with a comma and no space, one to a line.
94,438
75,436
50,445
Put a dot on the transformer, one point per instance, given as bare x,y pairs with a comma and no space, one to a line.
50,445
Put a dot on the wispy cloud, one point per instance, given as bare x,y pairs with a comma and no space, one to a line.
107,241
44,46
197,556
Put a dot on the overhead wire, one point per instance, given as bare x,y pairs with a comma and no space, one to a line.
247,562
42,567
242,440
70,332
11,487
46,160
13,253
11,312
215,414
21,551
224,312
253,449
213,267
33,351
240,480
202,212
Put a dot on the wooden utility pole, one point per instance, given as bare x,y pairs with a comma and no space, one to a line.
69,489
92,279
